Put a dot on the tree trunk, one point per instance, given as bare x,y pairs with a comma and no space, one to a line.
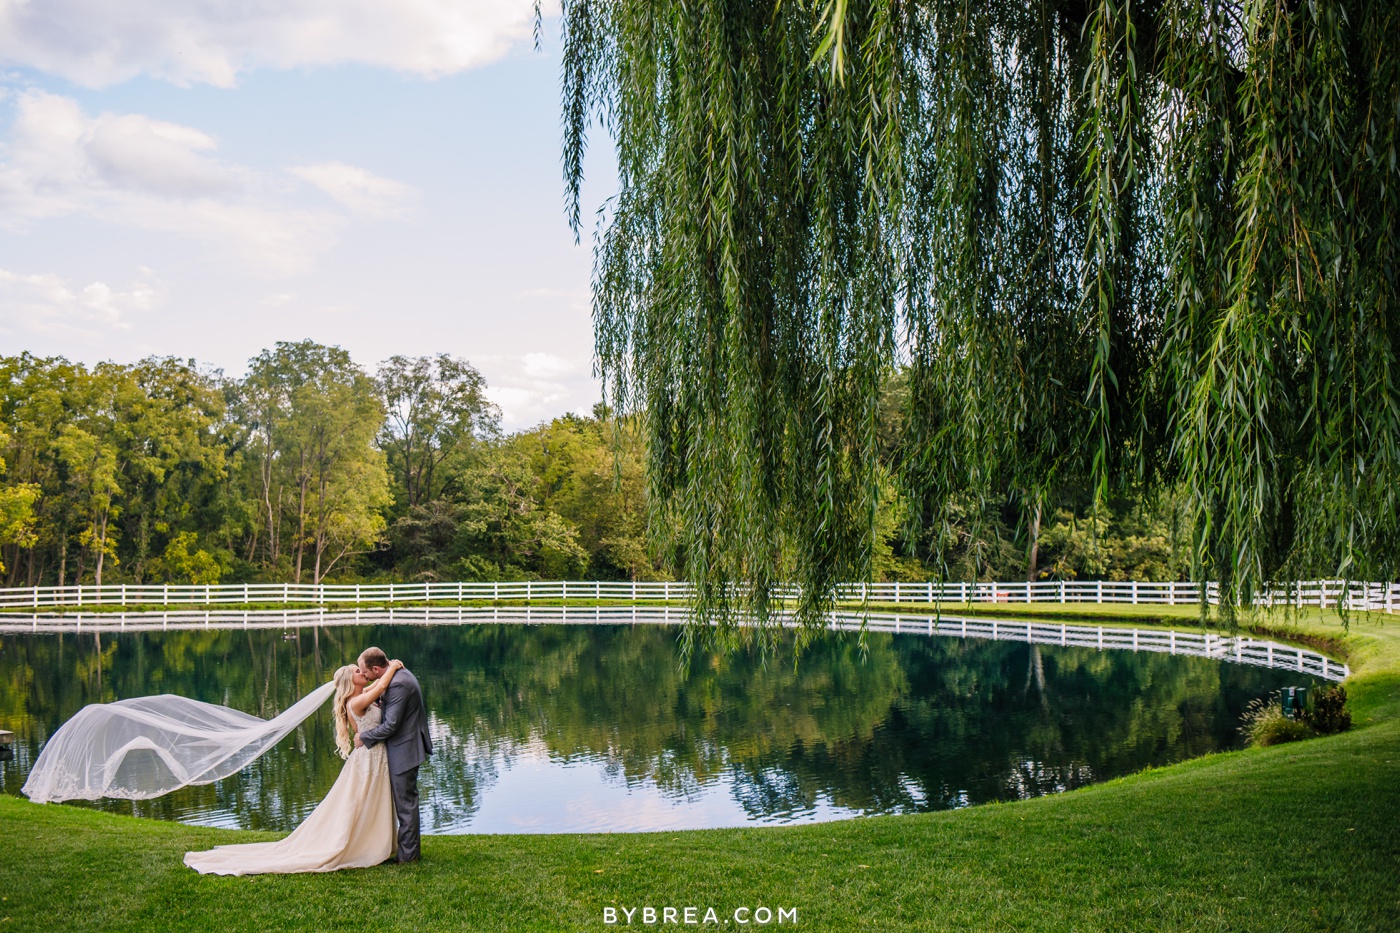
101,549
301,515
1032,565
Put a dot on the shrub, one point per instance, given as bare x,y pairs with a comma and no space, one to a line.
1265,724
1327,713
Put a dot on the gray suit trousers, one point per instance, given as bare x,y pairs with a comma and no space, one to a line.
405,789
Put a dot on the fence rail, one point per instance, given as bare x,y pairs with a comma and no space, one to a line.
1239,649
1352,595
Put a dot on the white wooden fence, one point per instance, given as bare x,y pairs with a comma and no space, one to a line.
1239,649
1383,597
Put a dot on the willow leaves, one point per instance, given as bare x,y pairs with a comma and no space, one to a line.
1113,242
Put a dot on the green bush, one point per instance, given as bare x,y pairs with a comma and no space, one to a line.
1265,724
1327,713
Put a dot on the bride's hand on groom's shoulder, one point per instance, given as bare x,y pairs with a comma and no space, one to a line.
396,664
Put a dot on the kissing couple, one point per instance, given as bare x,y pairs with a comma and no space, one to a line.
381,731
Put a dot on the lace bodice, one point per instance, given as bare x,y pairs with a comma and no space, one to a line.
366,759
372,717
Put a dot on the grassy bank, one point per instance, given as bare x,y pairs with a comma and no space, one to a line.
1297,837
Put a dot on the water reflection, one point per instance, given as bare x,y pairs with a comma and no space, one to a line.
596,727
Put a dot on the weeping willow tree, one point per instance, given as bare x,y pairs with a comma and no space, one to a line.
1115,242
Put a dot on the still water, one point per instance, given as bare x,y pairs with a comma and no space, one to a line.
579,728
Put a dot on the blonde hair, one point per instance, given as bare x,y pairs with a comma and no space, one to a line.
344,689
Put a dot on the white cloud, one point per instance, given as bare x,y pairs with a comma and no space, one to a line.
100,42
132,171
34,303
534,386
361,191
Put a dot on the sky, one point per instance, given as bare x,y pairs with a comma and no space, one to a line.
202,179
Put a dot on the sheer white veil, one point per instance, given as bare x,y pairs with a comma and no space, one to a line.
151,746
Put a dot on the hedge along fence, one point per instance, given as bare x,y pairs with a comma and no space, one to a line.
1326,594
1239,649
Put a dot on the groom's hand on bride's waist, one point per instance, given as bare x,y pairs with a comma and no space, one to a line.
359,742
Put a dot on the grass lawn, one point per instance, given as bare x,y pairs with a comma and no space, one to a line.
1297,837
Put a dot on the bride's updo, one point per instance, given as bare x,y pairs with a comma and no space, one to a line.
344,680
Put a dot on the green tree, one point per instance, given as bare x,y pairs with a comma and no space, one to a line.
436,408
1117,241
313,416
16,508
589,471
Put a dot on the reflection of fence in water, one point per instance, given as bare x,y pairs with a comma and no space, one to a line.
1352,594
1239,649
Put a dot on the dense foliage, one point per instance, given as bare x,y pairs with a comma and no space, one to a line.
308,466
1118,244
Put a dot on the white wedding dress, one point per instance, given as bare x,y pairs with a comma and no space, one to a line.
352,828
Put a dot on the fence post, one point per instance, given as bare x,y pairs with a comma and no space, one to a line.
165,594
1098,598
1135,593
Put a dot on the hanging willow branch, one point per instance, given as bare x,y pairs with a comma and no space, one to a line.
1111,241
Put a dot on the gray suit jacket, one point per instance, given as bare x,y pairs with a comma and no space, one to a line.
404,728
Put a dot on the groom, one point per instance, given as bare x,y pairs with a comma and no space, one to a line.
405,728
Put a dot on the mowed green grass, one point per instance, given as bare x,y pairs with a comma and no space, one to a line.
1297,837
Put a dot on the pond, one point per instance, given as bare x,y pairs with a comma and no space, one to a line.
579,728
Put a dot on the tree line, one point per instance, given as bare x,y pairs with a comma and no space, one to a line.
307,468
311,467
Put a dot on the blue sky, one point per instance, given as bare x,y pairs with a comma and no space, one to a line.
202,179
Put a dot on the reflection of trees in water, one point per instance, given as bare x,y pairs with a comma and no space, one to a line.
984,721
451,782
917,723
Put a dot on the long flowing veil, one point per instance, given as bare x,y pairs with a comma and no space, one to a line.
151,746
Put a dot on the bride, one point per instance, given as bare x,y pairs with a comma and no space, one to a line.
353,827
